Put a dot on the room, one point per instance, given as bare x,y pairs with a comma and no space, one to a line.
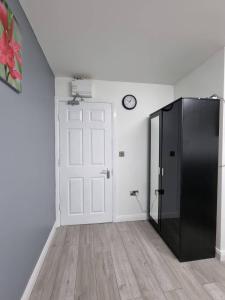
112,160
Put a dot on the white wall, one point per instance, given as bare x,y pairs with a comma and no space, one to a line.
132,136
204,81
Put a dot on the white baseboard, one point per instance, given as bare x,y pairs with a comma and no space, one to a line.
220,254
37,268
127,218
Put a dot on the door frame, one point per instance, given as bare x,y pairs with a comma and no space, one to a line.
57,158
152,221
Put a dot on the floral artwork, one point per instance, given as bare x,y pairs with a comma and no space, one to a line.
10,48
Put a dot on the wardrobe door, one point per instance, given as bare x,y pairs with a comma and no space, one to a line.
155,157
199,178
170,206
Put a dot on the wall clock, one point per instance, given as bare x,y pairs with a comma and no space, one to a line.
129,102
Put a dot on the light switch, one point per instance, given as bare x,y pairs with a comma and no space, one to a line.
121,154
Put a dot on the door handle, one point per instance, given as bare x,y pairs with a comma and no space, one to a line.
106,172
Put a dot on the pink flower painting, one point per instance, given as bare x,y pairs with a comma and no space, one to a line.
10,48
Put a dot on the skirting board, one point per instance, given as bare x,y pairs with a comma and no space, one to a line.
220,254
127,218
34,275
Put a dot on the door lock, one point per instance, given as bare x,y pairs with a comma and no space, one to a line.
106,172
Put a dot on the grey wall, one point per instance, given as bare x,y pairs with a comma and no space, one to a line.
27,208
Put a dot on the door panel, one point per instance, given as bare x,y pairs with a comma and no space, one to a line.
98,195
199,177
170,204
76,195
98,146
75,115
85,151
155,169
97,115
75,146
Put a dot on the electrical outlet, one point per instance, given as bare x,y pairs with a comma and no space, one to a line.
134,193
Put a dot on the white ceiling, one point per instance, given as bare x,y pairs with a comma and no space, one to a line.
157,41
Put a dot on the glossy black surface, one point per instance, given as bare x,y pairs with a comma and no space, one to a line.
189,158
199,178
170,204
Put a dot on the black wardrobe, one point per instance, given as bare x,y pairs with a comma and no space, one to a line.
184,139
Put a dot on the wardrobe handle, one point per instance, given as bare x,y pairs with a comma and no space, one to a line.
160,192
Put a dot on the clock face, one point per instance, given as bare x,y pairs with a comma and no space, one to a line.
129,102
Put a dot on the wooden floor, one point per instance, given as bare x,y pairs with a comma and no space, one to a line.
126,261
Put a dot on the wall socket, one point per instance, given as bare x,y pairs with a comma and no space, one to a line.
134,193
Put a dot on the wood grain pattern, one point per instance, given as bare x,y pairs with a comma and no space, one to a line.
107,288
123,261
163,273
127,284
183,272
86,287
147,282
179,294
216,290
46,279
64,286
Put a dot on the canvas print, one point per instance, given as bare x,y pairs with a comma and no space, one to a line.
10,48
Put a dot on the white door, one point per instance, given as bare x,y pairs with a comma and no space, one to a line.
85,163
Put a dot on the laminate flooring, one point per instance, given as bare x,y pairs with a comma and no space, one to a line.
122,261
